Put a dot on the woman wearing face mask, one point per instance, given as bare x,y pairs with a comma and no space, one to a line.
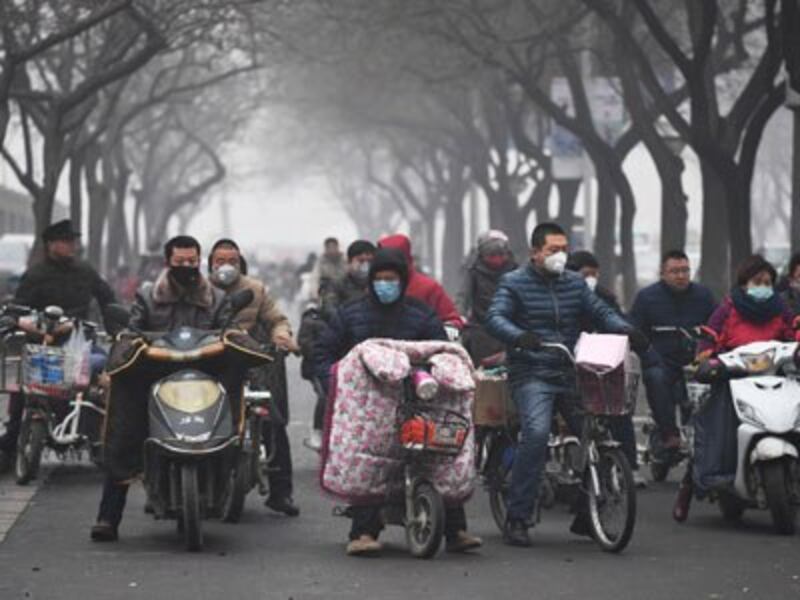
493,259
386,312
753,312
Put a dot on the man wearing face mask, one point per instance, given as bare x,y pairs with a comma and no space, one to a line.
387,312
180,297
492,261
264,321
353,284
541,302
62,280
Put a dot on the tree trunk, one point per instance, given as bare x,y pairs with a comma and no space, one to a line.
567,197
453,243
75,191
605,234
715,242
674,212
795,228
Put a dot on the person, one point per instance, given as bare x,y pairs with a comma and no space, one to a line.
265,322
791,285
752,312
329,268
386,312
62,280
673,301
179,297
541,302
587,266
422,287
492,260
353,284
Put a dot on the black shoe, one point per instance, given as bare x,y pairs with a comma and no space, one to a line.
6,461
580,525
516,534
282,504
103,531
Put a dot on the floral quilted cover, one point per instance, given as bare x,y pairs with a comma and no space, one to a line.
361,455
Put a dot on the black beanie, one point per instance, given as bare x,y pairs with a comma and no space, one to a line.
580,259
360,247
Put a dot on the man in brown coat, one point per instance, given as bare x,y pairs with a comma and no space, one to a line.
266,323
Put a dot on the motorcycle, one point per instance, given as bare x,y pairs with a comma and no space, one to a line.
762,378
63,402
202,448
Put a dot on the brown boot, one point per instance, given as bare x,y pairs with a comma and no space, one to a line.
366,545
463,542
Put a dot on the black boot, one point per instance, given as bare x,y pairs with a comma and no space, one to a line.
516,534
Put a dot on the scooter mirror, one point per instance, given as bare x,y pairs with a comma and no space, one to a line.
116,317
238,300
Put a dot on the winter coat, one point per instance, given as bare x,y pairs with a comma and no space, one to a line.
327,270
424,288
734,329
792,298
478,287
555,308
659,305
162,306
70,285
261,318
364,319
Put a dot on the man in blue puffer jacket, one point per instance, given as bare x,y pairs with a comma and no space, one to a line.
541,302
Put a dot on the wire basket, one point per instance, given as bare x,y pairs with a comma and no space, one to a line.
431,429
50,371
607,392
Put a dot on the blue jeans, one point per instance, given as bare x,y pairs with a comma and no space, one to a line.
534,400
666,389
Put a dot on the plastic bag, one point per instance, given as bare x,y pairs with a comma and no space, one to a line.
77,362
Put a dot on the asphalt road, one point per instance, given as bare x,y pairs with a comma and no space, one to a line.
47,553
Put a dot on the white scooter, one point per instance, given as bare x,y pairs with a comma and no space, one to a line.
765,390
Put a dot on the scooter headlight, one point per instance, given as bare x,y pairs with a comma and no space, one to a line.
759,363
749,414
189,396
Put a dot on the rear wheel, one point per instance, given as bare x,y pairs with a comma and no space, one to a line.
424,533
612,506
30,444
190,517
779,489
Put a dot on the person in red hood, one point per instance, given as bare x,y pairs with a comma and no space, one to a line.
424,288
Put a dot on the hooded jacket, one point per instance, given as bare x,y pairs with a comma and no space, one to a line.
366,318
261,318
422,287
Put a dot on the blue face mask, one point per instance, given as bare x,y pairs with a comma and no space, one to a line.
387,291
760,293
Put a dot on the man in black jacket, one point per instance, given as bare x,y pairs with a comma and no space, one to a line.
386,313
181,296
61,280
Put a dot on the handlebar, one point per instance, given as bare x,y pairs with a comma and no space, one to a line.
561,348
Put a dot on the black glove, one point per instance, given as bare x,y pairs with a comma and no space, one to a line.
639,341
710,371
529,341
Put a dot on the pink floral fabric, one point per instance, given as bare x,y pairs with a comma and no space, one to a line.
362,459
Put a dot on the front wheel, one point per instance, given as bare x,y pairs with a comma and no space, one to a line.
424,534
612,500
190,517
779,488
30,444
497,476
238,487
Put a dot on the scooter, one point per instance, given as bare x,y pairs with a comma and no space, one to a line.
765,391
199,454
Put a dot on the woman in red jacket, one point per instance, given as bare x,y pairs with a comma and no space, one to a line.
753,312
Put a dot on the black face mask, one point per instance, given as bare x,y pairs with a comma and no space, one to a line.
187,277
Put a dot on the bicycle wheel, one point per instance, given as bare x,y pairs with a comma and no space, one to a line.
30,444
612,500
498,479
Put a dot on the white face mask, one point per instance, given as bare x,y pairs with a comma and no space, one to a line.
556,263
226,275
591,282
